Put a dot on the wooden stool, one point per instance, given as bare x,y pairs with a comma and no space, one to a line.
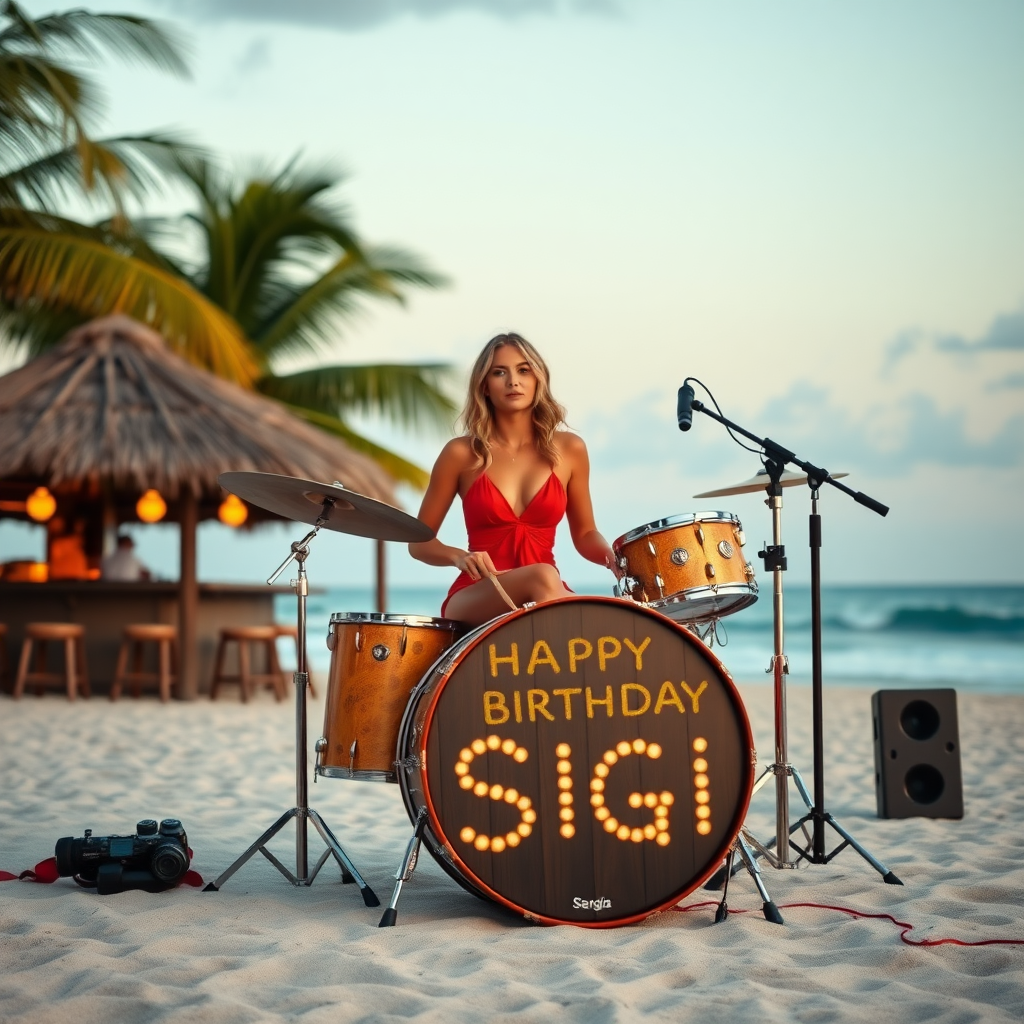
166,639
246,678
293,631
75,676
5,664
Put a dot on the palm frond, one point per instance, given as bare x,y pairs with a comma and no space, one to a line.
76,270
82,33
274,227
408,394
38,88
134,164
308,316
399,468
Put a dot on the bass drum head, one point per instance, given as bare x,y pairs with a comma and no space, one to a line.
585,762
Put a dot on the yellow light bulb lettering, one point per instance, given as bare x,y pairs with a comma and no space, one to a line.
655,830
496,792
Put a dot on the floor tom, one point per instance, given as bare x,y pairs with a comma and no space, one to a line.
376,662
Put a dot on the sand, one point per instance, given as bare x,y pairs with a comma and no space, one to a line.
261,950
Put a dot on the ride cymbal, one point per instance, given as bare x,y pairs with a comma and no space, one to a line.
758,482
303,501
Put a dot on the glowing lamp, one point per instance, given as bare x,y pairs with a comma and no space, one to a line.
151,507
233,511
41,505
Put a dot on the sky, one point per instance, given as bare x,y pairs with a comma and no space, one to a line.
812,207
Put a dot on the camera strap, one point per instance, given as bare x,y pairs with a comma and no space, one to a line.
46,871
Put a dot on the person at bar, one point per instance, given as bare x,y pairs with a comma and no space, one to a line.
65,553
122,564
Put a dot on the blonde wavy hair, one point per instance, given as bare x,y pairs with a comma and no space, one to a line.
478,414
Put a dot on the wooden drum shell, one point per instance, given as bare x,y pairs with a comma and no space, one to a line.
713,579
586,876
376,662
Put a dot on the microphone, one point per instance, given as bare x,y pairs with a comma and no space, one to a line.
684,407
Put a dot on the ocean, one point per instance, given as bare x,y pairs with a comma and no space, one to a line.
968,637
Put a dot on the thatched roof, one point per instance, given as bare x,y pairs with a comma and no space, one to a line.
112,405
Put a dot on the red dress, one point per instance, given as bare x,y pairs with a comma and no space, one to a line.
512,541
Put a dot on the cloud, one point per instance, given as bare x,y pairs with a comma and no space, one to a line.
1005,334
1010,382
806,420
642,440
353,15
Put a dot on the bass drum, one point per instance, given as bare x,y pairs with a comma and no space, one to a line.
586,761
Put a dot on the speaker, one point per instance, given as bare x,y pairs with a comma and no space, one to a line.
917,754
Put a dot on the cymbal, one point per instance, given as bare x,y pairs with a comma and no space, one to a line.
758,482
303,500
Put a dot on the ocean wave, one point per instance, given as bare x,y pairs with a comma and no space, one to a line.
909,619
953,620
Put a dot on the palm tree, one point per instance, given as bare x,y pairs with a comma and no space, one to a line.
54,270
280,257
279,266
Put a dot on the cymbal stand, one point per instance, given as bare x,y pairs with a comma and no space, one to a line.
774,556
301,812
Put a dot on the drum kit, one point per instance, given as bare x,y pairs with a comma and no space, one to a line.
586,761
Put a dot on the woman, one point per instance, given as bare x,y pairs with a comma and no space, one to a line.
517,475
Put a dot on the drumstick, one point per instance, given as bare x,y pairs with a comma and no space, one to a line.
501,590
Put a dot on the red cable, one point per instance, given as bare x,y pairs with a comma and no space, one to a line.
862,914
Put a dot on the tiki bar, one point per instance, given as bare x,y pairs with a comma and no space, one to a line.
110,428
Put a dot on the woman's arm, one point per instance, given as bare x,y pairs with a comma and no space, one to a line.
456,458
580,509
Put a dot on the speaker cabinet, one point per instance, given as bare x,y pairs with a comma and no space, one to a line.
917,754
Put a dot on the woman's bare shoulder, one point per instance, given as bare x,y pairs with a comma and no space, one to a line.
571,447
457,455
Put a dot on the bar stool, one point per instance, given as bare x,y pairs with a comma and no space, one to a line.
5,665
244,636
166,639
293,631
75,676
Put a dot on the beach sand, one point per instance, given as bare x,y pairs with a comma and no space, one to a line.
261,950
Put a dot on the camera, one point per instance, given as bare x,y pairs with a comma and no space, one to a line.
154,859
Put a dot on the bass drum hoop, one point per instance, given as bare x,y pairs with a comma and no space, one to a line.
407,763
445,855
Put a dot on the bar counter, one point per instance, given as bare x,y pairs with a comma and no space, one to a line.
104,607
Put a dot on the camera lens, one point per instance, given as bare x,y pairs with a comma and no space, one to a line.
64,854
169,862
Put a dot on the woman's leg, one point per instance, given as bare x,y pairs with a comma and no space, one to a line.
481,602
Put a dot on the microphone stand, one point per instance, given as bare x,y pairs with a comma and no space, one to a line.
775,560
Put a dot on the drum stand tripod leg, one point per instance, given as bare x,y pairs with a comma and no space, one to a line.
768,908
741,848
405,870
258,847
826,816
348,869
723,908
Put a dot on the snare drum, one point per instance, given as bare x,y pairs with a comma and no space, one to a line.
691,567
586,761
376,661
